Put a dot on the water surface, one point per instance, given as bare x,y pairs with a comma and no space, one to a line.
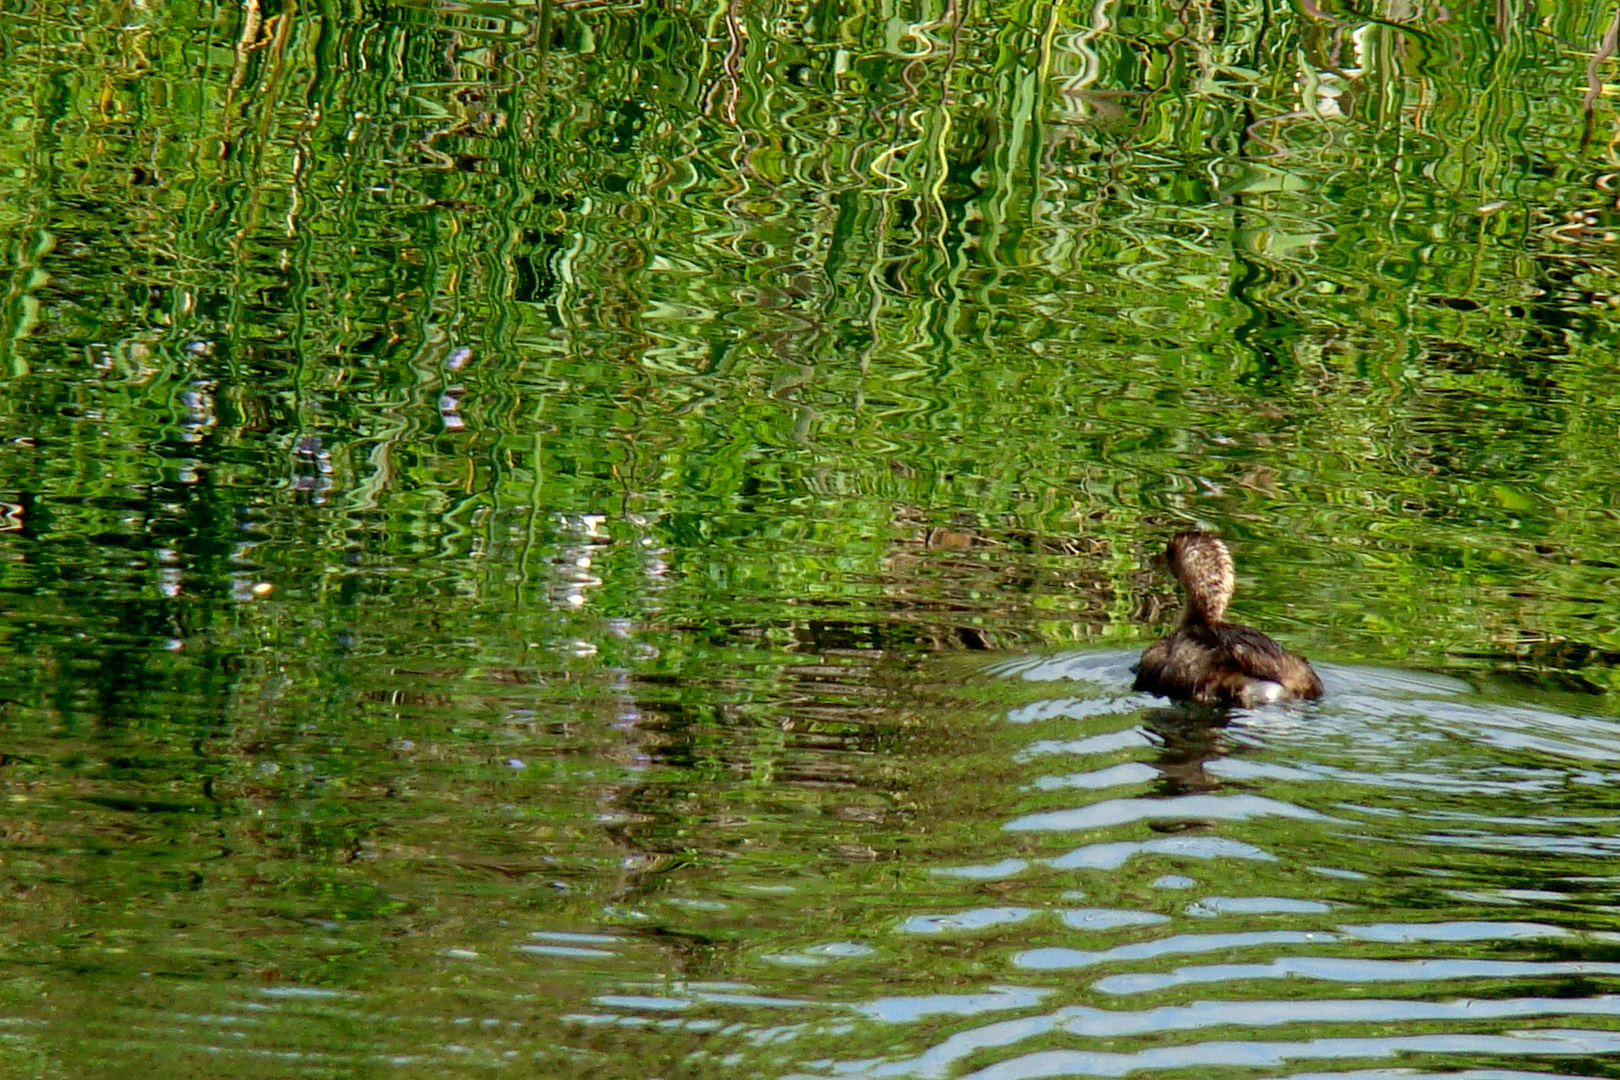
606,540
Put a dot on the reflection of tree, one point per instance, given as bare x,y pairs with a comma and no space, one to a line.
815,741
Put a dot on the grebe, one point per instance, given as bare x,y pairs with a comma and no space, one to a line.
1211,661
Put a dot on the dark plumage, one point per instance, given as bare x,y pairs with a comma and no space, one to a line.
1211,661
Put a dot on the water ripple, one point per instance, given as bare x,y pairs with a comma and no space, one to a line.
1123,811
1350,970
1092,1023
1257,1055
1109,856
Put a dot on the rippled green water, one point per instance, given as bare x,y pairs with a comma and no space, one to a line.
605,540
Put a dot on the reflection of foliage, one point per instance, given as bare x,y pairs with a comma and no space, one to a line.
504,459
756,299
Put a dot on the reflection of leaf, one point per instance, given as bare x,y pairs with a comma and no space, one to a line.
1288,245
1511,499
1253,181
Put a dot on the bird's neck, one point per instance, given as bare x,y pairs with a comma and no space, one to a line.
1203,609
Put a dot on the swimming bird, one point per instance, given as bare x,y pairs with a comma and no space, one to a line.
1208,660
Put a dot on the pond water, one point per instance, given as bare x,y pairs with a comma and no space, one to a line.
608,540
923,870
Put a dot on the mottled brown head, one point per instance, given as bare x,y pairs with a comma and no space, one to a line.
1202,564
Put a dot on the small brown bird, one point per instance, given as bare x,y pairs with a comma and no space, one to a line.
1209,660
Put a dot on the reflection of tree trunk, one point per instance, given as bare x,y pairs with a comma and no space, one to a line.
1594,77
818,732
825,730
967,585
1253,334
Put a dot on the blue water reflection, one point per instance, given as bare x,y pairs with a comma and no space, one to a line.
1258,799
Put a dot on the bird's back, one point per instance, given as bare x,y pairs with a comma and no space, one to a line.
1224,664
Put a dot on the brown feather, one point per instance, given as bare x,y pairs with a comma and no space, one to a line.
1209,660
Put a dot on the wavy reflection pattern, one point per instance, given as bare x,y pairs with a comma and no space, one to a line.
1337,886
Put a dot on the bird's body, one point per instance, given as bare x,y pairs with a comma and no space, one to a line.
1209,660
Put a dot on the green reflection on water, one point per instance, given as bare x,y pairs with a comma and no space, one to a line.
491,470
